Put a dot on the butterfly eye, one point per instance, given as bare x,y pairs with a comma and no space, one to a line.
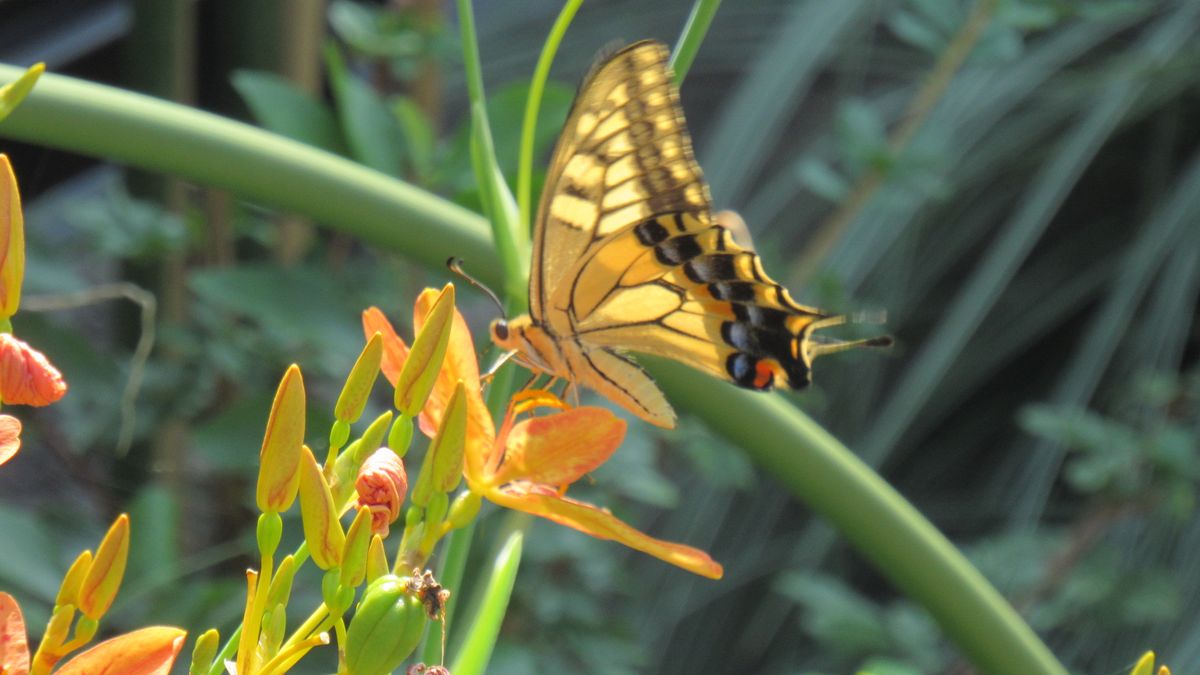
499,330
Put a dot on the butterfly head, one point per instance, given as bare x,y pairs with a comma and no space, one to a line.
533,346
502,335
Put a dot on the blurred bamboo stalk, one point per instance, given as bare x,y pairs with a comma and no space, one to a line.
162,62
939,78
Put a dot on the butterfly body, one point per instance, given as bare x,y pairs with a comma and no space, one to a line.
629,257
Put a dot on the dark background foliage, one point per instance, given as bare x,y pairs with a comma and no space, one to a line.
1017,182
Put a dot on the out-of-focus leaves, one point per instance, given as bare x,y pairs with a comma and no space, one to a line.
370,128
419,136
271,296
121,226
374,31
32,566
822,179
834,614
284,108
864,139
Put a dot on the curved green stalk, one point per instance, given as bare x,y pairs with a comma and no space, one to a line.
534,103
877,520
159,136
693,34
149,133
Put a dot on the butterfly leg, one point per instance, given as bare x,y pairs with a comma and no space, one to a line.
491,371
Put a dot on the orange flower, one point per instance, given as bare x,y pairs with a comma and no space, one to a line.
529,465
459,364
10,437
533,461
148,651
26,375
381,486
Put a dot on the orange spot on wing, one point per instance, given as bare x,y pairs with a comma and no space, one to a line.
764,375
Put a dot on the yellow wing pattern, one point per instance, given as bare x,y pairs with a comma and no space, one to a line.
628,256
623,156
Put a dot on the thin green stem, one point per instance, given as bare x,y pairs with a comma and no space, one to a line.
537,86
476,650
693,34
498,202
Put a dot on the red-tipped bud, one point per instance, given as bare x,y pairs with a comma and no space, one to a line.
381,486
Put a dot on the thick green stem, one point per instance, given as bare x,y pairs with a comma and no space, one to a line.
156,135
876,519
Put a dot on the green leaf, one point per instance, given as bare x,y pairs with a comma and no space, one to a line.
371,131
419,136
282,107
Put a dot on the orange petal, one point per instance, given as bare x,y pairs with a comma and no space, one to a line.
599,523
10,437
148,651
26,375
395,352
460,363
560,449
14,647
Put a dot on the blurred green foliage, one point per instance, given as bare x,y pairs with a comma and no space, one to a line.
1033,242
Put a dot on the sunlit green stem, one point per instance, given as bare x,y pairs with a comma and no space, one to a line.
156,135
693,34
537,86
476,650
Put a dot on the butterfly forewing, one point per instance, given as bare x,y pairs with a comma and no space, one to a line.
624,156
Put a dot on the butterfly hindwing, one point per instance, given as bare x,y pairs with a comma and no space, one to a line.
679,286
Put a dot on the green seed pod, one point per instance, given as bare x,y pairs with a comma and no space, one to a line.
386,628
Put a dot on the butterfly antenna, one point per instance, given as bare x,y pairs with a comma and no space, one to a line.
455,265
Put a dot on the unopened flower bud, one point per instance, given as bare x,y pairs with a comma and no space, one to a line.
104,575
381,486
386,627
